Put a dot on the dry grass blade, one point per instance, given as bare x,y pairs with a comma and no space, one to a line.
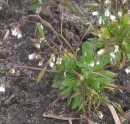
6,35
114,114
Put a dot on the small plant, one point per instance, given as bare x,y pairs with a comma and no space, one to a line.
82,81
81,75
114,38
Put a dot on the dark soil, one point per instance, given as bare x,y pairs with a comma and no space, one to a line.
25,101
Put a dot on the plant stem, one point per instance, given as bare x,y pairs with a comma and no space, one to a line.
40,69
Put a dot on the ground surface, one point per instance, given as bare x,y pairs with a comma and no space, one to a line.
24,101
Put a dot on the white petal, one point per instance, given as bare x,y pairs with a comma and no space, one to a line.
100,21
100,115
112,55
12,71
120,13
37,45
41,26
40,63
59,61
14,32
51,64
107,2
101,51
95,13
32,56
107,12
19,35
92,64
127,70
2,88
112,17
116,49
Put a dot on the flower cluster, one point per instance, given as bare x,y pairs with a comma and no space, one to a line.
36,56
52,60
107,13
16,32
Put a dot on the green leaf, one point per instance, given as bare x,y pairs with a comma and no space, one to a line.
106,32
34,6
40,30
58,80
126,46
95,84
87,52
125,11
125,20
69,64
76,101
91,5
128,56
107,73
77,8
103,62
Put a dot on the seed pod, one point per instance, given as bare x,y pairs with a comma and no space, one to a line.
47,24
41,74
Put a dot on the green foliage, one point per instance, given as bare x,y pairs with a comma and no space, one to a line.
114,38
78,80
81,76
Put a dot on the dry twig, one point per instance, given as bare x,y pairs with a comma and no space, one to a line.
114,114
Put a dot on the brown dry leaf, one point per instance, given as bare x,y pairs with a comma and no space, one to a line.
114,114
6,35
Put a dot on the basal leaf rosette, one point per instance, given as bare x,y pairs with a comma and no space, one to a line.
85,79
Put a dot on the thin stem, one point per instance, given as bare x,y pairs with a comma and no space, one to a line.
40,69
61,20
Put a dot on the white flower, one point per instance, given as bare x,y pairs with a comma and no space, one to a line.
100,21
120,13
2,88
51,64
19,34
112,55
38,9
112,17
100,115
12,71
16,32
32,56
127,70
38,57
92,64
116,49
101,51
52,58
37,45
95,13
59,61
40,63
107,12
107,1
